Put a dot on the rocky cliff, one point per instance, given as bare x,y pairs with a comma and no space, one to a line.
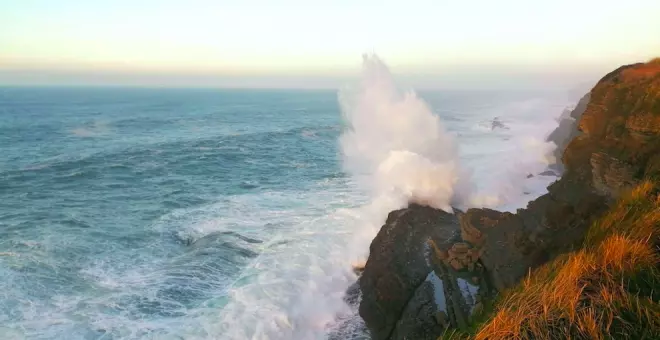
429,270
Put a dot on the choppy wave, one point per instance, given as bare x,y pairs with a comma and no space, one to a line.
233,219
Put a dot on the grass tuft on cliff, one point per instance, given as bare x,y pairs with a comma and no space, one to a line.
608,289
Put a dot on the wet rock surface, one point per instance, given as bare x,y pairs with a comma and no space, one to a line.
398,264
418,320
566,131
548,173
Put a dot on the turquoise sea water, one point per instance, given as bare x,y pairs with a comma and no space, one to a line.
200,213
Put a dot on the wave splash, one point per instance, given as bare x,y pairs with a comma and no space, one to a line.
396,146
396,151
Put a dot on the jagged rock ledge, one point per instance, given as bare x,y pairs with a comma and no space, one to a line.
429,270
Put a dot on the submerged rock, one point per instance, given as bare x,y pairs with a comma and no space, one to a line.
548,173
497,124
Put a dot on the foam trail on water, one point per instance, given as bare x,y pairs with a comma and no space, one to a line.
395,145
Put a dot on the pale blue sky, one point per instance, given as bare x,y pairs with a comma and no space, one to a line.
250,38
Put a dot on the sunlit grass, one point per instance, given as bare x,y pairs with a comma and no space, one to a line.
608,289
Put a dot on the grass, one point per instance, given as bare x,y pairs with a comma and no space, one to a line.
608,289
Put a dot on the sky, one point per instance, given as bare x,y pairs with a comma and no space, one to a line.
316,43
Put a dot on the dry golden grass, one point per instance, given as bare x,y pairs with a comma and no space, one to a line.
608,289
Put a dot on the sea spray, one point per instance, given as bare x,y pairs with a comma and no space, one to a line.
395,145
395,149
294,289
170,258
506,174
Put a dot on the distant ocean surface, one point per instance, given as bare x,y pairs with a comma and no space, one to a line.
130,213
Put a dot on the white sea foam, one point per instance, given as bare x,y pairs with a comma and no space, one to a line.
394,147
502,160
397,151
96,129
395,144
294,289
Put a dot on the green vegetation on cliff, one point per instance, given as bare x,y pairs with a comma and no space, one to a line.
579,262
608,289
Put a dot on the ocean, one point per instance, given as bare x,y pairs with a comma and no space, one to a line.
134,213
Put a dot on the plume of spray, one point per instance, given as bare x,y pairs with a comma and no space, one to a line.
395,145
398,150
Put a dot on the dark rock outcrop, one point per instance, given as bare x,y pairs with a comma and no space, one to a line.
566,131
498,250
418,320
398,265
548,173
606,157
497,124
611,144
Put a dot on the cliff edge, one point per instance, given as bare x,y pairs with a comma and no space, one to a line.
429,271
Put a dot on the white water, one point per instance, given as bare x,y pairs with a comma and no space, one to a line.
395,145
397,150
